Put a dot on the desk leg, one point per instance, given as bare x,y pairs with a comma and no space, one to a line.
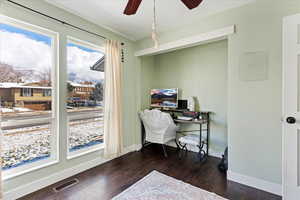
176,142
200,143
143,135
208,134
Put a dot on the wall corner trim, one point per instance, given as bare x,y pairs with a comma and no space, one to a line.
260,184
203,38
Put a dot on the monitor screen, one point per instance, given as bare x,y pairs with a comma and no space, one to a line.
164,98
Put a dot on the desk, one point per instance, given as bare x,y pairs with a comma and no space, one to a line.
205,121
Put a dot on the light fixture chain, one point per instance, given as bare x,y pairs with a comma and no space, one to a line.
154,26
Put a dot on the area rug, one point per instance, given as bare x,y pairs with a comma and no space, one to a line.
157,186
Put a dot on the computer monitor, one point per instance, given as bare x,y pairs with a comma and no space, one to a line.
164,98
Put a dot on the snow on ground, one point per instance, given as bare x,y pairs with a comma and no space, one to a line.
81,134
6,110
20,109
24,145
21,148
15,109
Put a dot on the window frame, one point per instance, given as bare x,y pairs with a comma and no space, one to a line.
98,147
54,119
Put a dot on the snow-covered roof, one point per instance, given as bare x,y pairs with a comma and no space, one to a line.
81,85
99,65
21,85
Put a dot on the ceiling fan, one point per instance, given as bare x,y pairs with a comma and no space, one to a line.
133,5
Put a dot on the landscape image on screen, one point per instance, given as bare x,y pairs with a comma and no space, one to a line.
164,98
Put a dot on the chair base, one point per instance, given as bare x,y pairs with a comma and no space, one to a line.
165,151
163,147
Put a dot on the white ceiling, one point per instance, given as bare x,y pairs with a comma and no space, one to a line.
171,14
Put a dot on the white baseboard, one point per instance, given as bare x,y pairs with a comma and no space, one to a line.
138,147
134,147
255,182
196,149
61,175
215,154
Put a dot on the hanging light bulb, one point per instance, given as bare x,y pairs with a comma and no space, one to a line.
154,32
154,36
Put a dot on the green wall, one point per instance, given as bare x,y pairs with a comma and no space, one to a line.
254,108
148,79
198,71
130,79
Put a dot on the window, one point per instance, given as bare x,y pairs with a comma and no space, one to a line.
84,96
26,92
47,92
27,66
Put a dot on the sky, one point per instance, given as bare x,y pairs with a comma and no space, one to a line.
79,62
32,51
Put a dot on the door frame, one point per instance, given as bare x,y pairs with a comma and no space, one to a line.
286,108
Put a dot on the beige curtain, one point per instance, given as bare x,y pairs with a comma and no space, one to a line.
1,135
113,135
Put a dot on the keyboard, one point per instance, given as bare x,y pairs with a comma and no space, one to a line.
185,118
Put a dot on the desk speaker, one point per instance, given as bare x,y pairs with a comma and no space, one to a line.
182,104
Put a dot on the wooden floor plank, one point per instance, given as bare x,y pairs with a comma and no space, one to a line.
107,180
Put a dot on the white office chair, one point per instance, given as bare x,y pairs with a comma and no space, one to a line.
159,127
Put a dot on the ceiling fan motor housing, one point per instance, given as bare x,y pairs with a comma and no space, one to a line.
133,5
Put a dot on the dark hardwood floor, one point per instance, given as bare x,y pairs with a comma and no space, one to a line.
105,181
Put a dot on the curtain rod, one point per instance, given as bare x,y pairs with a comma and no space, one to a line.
58,20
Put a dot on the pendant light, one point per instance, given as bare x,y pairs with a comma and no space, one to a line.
154,26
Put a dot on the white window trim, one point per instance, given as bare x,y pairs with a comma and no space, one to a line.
85,151
54,157
28,168
74,40
94,148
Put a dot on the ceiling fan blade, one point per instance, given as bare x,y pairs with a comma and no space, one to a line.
132,7
191,3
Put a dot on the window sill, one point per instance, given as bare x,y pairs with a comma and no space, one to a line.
10,174
83,152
